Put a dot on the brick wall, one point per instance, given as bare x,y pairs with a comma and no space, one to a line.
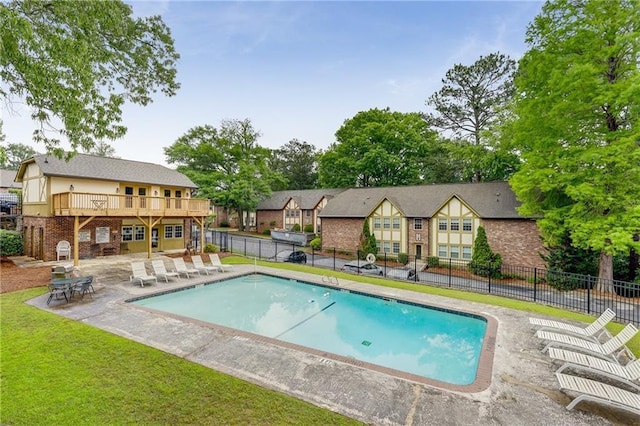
343,234
265,217
517,241
54,229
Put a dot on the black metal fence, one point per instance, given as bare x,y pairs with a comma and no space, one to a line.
583,293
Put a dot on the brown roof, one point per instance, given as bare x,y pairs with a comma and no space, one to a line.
307,199
488,200
105,168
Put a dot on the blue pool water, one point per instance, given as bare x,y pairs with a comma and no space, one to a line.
433,343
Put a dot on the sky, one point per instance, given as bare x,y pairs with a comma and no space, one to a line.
299,69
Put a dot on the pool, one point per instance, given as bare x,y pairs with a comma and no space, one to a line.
421,341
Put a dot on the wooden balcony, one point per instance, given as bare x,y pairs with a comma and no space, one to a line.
90,204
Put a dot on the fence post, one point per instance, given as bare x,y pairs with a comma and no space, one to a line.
334,258
313,256
260,249
490,274
415,269
245,247
535,284
449,272
588,294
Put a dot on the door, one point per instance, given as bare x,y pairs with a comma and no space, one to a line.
154,238
418,251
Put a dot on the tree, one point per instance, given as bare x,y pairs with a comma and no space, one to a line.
377,148
471,99
15,153
102,149
368,243
484,261
297,162
227,164
76,63
578,128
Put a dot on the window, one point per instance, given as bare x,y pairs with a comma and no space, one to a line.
177,231
454,252
386,223
377,246
386,246
466,252
442,224
139,233
168,232
417,224
127,233
396,248
167,195
376,223
442,251
308,213
396,223
467,225
178,202
455,224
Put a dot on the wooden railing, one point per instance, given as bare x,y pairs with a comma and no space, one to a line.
94,204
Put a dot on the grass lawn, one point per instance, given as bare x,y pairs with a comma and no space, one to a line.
59,371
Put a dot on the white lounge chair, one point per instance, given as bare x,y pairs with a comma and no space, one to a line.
63,249
215,261
181,268
139,273
200,266
160,271
592,332
591,390
611,349
629,374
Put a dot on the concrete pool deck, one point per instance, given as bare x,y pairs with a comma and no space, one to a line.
523,388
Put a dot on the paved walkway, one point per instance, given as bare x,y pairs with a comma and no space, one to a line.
523,390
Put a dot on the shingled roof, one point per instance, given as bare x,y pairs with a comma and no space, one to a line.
104,168
7,179
307,199
490,200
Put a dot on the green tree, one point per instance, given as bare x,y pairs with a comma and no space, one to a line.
484,261
377,148
15,153
297,162
77,62
470,101
578,129
102,149
226,163
368,243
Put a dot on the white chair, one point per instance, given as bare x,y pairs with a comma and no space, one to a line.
629,374
139,273
592,390
160,271
63,249
215,261
181,268
592,332
612,349
200,266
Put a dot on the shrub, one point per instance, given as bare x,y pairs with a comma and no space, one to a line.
224,224
272,224
316,243
367,242
211,248
403,258
266,232
433,261
308,228
11,243
484,262
296,227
